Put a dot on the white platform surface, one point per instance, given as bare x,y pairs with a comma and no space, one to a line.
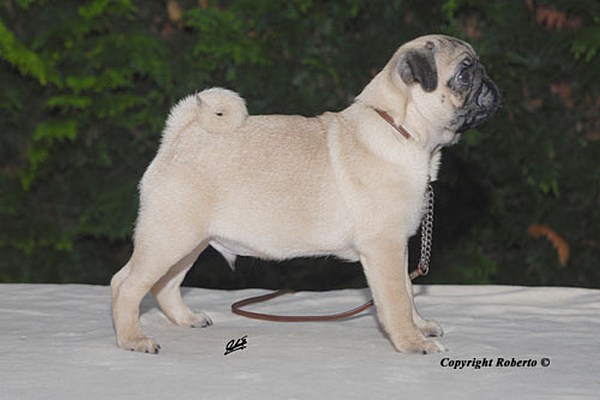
57,342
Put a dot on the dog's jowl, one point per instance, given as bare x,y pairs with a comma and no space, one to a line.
349,184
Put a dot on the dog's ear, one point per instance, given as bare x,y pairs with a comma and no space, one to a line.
419,66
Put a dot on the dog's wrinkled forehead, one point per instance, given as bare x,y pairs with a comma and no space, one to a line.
448,47
428,58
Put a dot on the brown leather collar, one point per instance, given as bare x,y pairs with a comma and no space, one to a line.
388,118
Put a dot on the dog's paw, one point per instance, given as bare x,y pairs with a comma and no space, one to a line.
429,346
142,344
192,320
433,346
430,328
419,346
199,320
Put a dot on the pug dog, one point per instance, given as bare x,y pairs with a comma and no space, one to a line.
349,184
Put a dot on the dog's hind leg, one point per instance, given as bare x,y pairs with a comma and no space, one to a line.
165,235
143,271
118,278
168,293
148,264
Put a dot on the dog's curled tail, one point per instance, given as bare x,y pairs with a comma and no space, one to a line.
220,110
214,110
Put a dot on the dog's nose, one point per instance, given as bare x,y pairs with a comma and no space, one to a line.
489,95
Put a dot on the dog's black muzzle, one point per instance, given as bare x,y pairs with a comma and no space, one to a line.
482,102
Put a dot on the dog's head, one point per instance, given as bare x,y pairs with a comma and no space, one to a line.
438,83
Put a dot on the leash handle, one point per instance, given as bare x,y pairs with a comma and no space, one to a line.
236,308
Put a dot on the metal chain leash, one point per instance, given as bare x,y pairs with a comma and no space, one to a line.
426,234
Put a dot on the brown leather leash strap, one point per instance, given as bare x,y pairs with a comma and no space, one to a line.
236,307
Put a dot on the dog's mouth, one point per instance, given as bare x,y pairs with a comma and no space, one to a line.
480,105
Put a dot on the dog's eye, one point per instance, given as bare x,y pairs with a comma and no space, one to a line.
464,76
466,73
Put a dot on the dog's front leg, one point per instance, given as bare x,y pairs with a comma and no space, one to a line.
427,326
384,263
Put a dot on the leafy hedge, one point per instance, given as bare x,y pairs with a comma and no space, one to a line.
86,87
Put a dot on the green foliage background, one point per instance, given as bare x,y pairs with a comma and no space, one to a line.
85,88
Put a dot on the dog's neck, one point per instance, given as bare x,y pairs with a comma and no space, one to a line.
390,120
434,163
405,133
